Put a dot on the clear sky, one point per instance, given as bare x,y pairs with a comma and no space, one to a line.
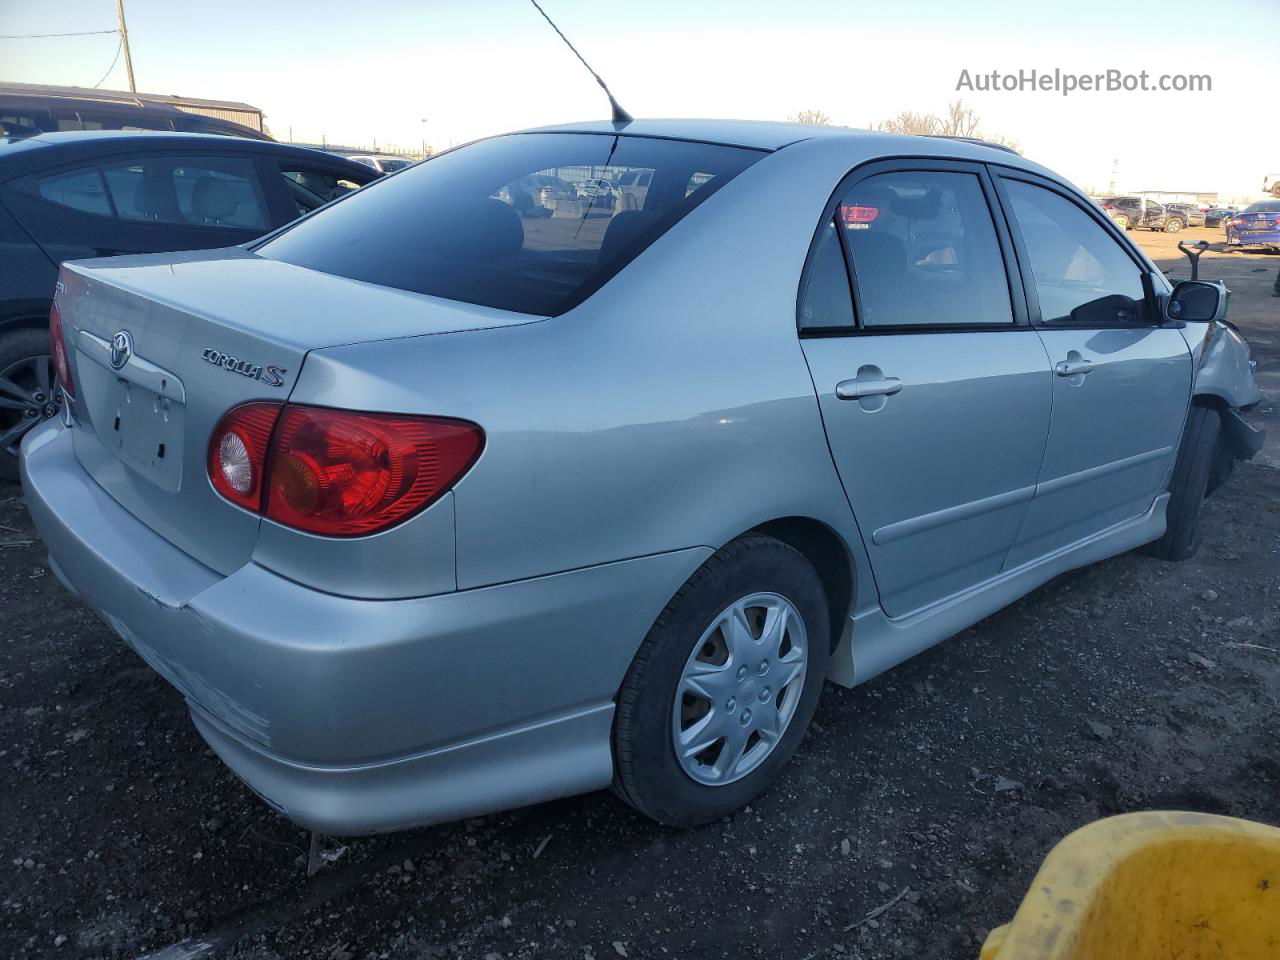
448,71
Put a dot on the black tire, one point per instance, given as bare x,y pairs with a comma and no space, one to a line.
647,772
16,346
1189,487
1173,225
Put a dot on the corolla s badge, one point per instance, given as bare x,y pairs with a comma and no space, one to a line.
121,349
269,374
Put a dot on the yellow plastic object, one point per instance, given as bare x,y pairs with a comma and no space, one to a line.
1152,886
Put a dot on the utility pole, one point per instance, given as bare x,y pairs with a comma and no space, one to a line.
124,42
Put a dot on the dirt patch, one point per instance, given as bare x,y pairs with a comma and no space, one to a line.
1133,684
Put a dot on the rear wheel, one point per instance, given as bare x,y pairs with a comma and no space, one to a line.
1123,222
723,687
27,395
1192,474
1172,225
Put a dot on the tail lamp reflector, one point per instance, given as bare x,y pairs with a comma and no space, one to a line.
58,351
337,472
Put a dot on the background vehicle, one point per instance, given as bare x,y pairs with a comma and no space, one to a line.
1130,213
1217,216
29,109
383,163
1192,216
483,510
541,195
67,196
1257,225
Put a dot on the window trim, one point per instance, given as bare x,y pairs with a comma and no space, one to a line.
1000,173
923,164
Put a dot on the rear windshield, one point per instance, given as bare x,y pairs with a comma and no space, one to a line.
1266,206
513,222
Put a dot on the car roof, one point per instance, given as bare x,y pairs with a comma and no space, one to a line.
754,134
19,156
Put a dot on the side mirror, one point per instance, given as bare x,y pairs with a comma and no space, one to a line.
1113,310
1197,301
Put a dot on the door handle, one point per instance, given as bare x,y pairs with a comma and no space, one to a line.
1070,368
857,389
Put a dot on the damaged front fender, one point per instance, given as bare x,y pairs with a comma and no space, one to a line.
1224,379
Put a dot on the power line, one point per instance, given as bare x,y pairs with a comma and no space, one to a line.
43,36
115,60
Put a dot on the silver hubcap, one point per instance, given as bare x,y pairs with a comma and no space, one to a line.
739,689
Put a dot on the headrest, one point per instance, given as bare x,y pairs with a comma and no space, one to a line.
213,199
623,230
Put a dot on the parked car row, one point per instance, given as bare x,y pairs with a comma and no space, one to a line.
71,196
1132,213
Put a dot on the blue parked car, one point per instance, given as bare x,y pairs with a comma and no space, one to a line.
1258,225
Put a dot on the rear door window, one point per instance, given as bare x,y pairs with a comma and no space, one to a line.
78,189
191,191
924,251
501,223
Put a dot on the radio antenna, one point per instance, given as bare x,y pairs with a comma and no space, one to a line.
620,116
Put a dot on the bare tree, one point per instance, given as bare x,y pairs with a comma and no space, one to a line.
959,121
816,117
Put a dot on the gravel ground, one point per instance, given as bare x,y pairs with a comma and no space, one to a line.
1133,684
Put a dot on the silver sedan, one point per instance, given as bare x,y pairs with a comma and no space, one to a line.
431,506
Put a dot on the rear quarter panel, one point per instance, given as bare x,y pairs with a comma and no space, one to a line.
672,409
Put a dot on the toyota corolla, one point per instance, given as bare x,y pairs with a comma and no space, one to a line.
431,507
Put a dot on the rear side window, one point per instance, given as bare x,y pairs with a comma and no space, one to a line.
924,251
78,189
502,223
1074,260
192,191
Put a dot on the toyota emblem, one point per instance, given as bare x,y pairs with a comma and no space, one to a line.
121,349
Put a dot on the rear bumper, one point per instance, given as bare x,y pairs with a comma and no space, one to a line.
355,716
1271,239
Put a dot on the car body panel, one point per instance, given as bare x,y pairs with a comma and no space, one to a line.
957,452
1093,478
1223,368
181,310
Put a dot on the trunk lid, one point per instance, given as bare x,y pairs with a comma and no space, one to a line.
162,346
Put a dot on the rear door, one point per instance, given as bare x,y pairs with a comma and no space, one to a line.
1121,384
933,389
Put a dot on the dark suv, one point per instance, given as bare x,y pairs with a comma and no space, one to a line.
1133,212
27,110
68,196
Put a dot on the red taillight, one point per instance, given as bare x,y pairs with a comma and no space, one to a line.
858,214
335,472
238,453
58,350
1107,206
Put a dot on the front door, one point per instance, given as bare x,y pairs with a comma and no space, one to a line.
1121,383
933,389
